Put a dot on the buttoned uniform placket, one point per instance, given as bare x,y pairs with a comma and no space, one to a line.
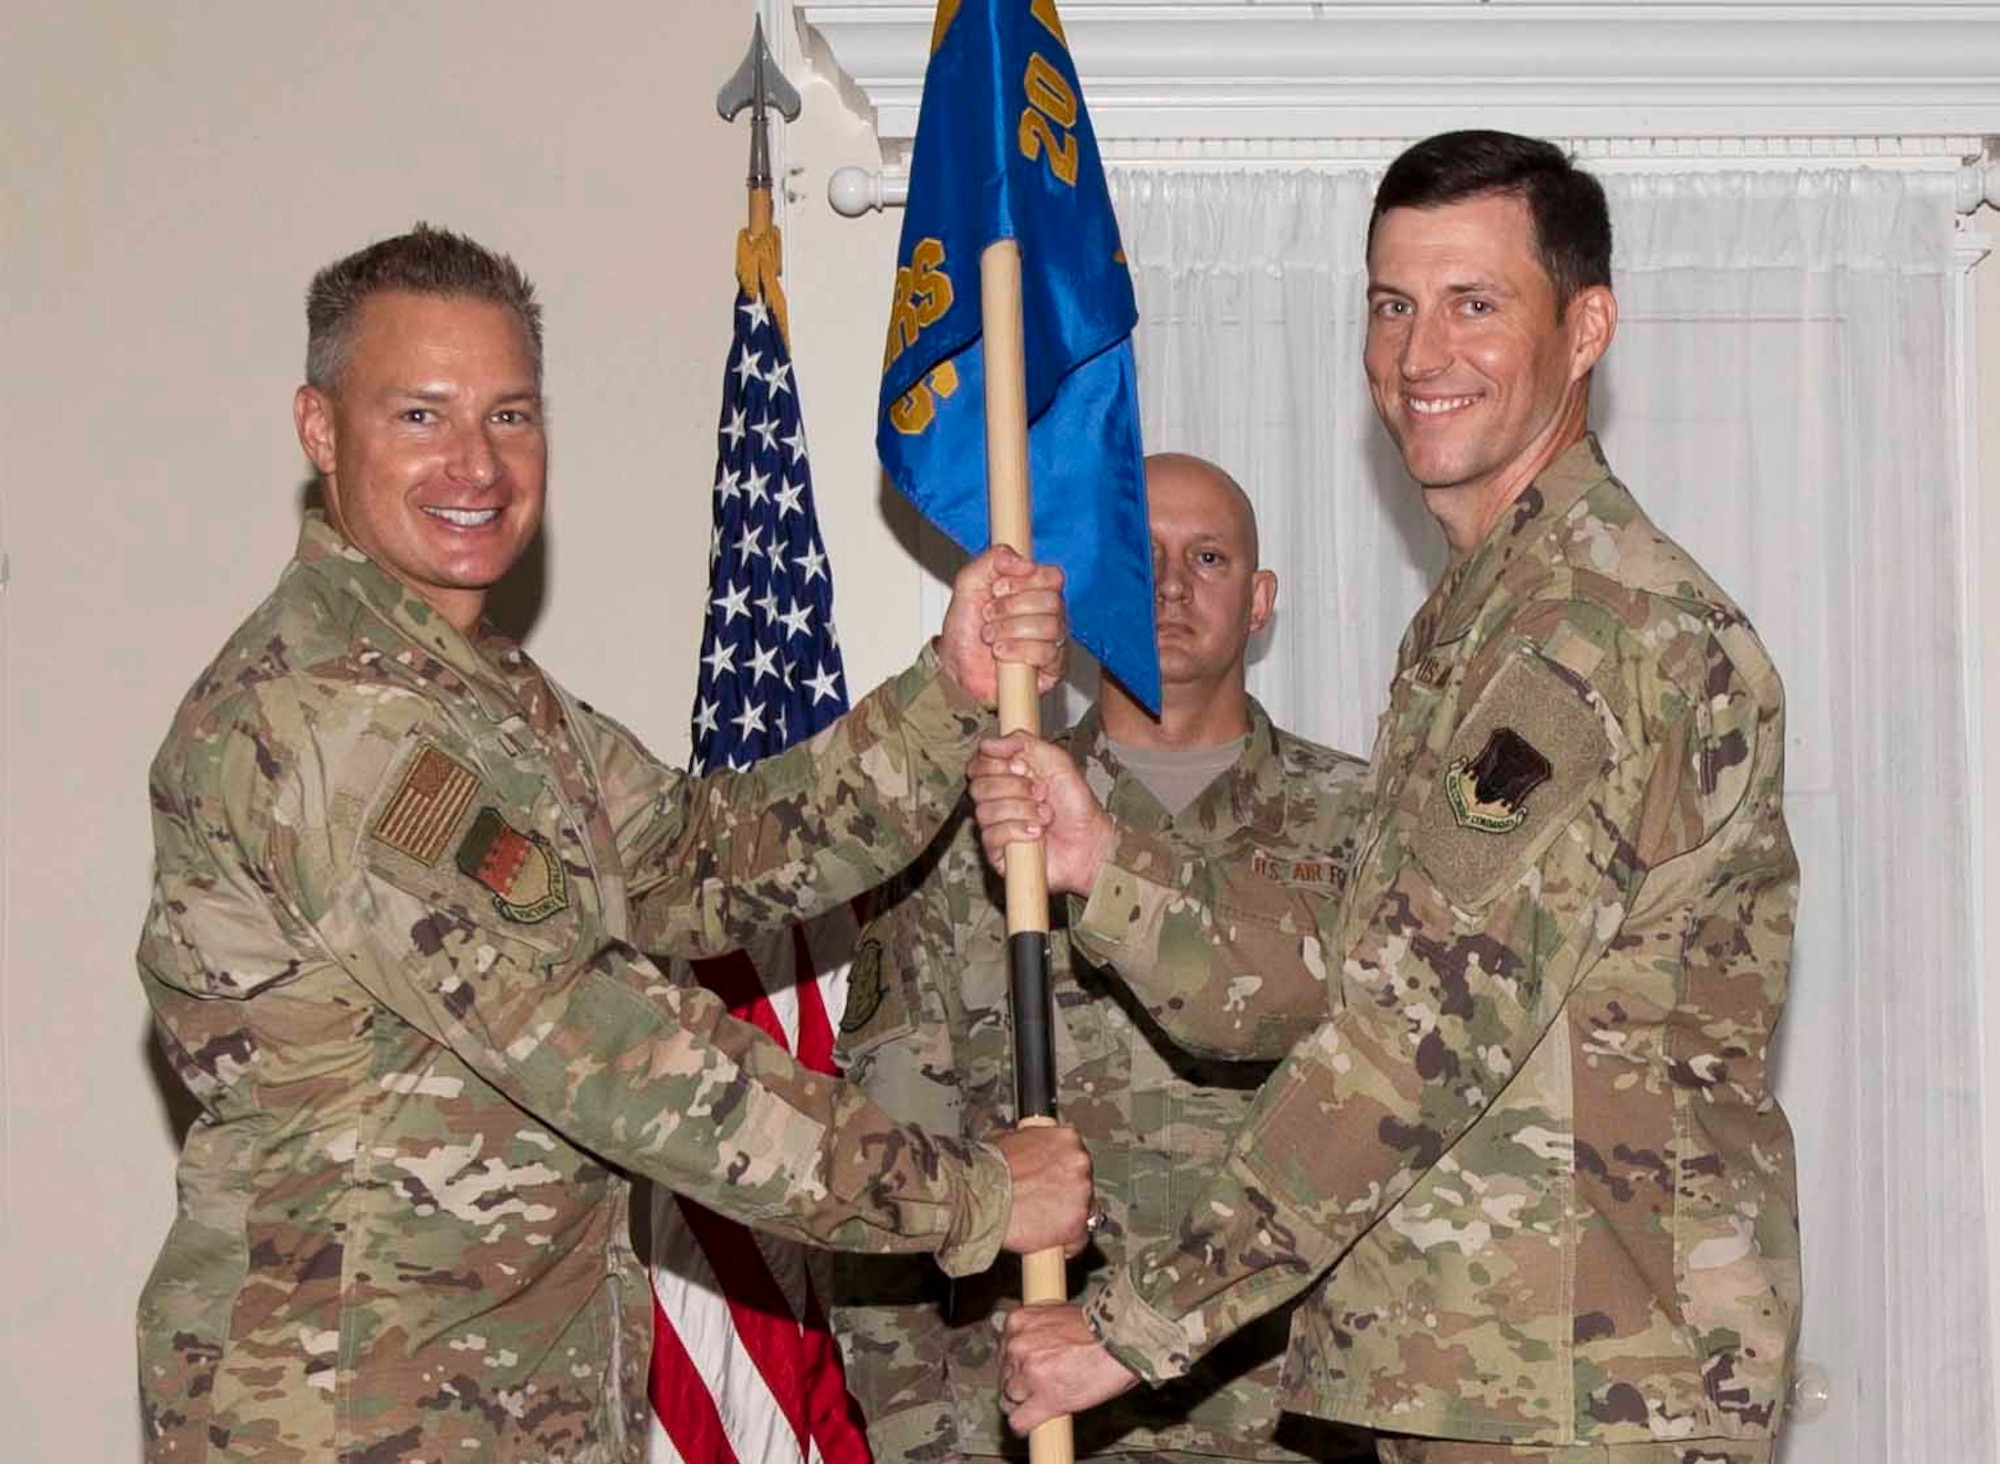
490,690
549,737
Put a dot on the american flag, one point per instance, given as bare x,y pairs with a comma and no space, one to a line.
744,1370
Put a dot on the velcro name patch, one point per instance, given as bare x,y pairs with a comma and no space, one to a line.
1298,871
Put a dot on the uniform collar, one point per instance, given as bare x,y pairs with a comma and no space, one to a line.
1250,794
487,660
1529,521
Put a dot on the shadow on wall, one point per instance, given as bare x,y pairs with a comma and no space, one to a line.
177,1105
515,604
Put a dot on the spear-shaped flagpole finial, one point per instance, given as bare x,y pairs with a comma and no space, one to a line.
759,85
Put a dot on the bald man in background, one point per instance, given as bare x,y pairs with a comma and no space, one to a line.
1154,1078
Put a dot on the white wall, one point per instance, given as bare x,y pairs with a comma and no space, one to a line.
173,175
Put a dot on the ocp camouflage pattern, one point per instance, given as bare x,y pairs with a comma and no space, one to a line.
927,1034
426,1060
1530,1168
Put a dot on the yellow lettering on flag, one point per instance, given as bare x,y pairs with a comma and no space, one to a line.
923,294
947,12
916,409
1045,12
1048,92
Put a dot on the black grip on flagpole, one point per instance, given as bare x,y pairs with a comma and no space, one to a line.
1034,1045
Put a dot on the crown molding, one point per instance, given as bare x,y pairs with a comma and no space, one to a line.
1162,76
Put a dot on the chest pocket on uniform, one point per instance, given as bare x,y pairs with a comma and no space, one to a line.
1520,766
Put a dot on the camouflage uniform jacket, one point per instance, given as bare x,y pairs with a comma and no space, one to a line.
1534,1142
927,1034
388,953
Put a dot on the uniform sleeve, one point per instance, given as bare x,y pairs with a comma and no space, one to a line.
655,1077
1226,956
901,1046
713,862
1573,771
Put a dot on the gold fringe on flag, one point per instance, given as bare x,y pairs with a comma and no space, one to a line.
760,259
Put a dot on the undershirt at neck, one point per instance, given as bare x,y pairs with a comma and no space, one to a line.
1176,776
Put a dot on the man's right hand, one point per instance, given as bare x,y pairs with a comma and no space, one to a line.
1024,789
1052,1189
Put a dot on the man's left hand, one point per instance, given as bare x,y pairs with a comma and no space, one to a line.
1004,608
1054,1364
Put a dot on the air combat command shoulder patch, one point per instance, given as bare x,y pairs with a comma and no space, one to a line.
521,870
1490,792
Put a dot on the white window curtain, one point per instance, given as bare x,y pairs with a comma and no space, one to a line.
1780,397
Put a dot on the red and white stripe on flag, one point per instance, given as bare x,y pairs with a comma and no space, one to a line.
748,1373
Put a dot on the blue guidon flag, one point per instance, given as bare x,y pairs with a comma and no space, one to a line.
1004,150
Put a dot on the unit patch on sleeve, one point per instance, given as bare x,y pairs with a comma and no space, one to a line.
878,1005
521,870
1490,793
419,817
1520,766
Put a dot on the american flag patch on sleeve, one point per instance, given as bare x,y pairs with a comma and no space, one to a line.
419,817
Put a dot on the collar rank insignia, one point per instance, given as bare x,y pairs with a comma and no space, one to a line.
1490,793
520,869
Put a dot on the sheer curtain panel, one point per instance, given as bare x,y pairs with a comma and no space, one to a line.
1781,398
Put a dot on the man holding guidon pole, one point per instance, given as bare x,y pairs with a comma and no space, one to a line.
1012,293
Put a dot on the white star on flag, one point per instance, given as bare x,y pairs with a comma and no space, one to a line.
735,602
826,684
798,621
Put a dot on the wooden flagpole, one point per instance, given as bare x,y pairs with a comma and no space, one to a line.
1043,1276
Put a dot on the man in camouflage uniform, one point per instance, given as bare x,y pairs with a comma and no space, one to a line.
390,950
927,1031
1529,1172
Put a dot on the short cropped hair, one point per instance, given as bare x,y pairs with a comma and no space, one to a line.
425,261
1571,220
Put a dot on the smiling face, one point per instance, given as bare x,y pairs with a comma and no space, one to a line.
1477,376
431,446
